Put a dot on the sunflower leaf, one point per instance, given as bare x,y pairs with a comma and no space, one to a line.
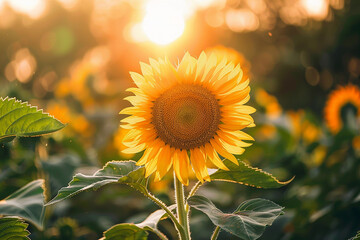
247,175
125,231
19,119
27,202
137,231
248,221
125,172
13,228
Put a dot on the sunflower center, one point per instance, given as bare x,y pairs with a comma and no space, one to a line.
186,116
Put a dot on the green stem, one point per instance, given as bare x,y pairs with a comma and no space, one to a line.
180,203
160,234
178,226
215,234
192,192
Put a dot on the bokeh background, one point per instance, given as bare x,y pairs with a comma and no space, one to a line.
72,58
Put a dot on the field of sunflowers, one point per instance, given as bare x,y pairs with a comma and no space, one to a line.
180,119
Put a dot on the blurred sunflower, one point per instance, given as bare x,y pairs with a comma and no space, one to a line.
269,102
78,84
184,116
340,100
302,127
77,122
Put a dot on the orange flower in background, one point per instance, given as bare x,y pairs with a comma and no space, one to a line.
185,116
78,83
231,55
269,102
60,111
118,142
339,98
265,132
302,128
87,78
77,122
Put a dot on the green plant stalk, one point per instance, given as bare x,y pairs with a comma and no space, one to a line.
180,204
191,193
215,234
178,226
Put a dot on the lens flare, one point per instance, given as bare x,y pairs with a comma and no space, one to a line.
164,21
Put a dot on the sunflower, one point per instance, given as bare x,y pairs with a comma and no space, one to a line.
187,115
343,96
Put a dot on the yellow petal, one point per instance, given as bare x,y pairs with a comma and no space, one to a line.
145,157
209,67
214,157
151,165
137,92
198,161
200,67
233,126
164,161
222,151
242,135
235,108
226,86
231,139
154,148
131,135
236,118
130,110
225,71
217,71
146,69
155,65
136,100
181,166
138,79
133,119
157,177
234,97
233,149
245,100
136,149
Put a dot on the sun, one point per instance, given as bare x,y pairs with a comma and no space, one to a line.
164,22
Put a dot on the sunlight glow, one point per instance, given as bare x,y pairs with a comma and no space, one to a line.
317,9
241,20
164,21
68,4
32,8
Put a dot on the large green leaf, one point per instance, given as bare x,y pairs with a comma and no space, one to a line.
125,172
13,228
19,119
60,169
131,231
247,222
27,202
247,175
125,231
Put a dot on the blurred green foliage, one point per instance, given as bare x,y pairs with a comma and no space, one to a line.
322,202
